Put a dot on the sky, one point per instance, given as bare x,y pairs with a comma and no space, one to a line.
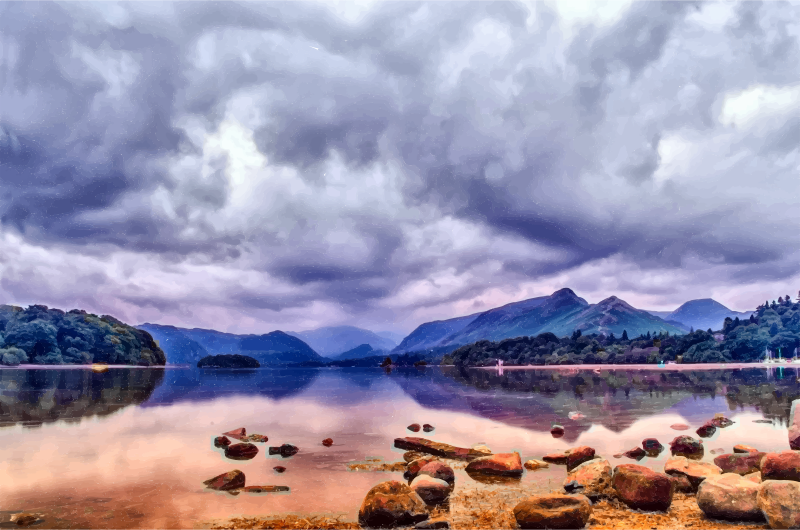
257,166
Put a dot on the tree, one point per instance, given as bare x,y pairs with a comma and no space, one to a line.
773,329
624,334
648,336
576,334
780,300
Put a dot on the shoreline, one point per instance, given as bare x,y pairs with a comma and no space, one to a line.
666,368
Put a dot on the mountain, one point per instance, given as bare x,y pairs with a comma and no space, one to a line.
179,348
613,315
277,347
430,334
333,340
359,352
704,313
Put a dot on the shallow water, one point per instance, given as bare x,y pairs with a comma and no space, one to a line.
131,447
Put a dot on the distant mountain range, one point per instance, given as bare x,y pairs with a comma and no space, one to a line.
704,313
334,340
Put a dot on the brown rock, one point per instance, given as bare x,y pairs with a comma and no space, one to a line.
327,442
431,490
695,471
427,427
578,455
279,469
237,434
739,463
227,481
652,446
741,448
781,466
502,464
681,484
559,459
390,504
266,489
221,441
794,425
642,488
440,471
414,467
285,450
482,448
533,465
557,431
410,456
553,511
688,447
754,477
414,427
729,496
243,451
592,478
721,421
779,501
637,453
424,445
25,518
679,427
706,430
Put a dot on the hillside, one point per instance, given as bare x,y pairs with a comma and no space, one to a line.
178,348
359,352
333,340
612,315
40,335
704,313
430,334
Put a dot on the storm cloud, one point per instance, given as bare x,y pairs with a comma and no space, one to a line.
272,165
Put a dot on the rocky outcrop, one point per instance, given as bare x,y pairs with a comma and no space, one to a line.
695,471
243,451
391,504
501,464
779,501
592,478
642,488
423,445
431,490
440,471
227,481
781,466
729,496
740,463
553,511
688,447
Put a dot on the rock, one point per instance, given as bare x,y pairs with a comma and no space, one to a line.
681,484
414,467
243,451
794,425
754,477
679,427
438,470
502,464
695,471
779,501
424,445
390,504
741,448
327,442
553,511
25,518
227,481
428,427
781,466
266,489
559,459
533,465
221,441
642,488
739,463
482,448
706,430
592,478
688,447
285,450
578,455
652,446
637,453
729,496
573,486
557,431
257,438
414,427
433,524
279,469
410,456
721,421
431,490
237,434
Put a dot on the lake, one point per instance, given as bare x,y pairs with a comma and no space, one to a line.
130,448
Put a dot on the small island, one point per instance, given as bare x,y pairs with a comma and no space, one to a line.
228,361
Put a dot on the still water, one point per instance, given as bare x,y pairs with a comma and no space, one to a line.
130,448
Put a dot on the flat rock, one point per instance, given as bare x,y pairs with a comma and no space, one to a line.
237,434
431,490
779,501
642,488
424,445
415,466
687,446
227,481
285,450
440,471
243,451
781,466
592,478
553,511
739,463
265,489
502,464
741,448
533,465
693,470
221,441
794,425
391,504
729,496
578,455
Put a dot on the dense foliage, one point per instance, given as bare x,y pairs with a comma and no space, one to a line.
39,335
774,326
228,361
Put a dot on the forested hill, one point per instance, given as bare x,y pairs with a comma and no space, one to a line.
40,335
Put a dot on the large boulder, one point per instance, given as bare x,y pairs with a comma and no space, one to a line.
440,471
729,496
687,446
695,471
740,463
681,484
642,488
243,451
578,455
553,511
779,501
592,478
414,467
390,504
794,426
781,466
652,446
504,464
227,481
431,490
424,445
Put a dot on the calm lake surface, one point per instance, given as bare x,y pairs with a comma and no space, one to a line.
130,448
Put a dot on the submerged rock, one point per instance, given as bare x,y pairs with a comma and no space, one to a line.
431,490
779,501
221,441
642,488
592,478
553,511
739,463
695,471
266,489
688,447
781,466
424,445
285,450
227,481
729,496
391,504
243,451
502,464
